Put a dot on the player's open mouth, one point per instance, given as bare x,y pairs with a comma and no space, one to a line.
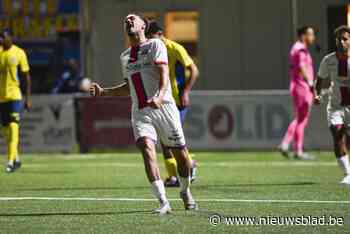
129,25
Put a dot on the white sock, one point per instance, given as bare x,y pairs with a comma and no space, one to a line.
159,191
284,147
344,164
17,158
10,163
185,183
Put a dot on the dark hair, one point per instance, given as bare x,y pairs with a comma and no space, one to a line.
145,19
4,31
303,30
340,30
153,27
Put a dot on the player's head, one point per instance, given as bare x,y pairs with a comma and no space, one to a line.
307,35
154,30
5,37
135,24
342,38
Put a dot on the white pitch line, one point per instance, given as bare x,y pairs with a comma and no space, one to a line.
173,199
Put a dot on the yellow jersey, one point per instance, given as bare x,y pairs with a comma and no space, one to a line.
10,60
178,60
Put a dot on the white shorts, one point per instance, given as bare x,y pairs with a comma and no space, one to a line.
163,123
339,116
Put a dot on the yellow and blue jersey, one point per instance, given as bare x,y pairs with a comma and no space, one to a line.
10,61
178,60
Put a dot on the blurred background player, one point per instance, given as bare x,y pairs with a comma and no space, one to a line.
11,58
181,85
335,67
301,90
70,79
154,113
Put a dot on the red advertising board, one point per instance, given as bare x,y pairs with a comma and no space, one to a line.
104,123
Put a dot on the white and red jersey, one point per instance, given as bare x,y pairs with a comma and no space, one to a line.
139,66
337,68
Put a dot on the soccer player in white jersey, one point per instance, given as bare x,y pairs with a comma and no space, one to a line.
154,112
335,67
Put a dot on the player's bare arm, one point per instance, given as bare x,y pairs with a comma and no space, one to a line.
156,102
28,90
121,90
306,36
185,99
318,89
306,76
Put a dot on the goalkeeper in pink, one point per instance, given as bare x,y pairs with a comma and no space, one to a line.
301,90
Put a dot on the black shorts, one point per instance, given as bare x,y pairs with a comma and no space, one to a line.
10,112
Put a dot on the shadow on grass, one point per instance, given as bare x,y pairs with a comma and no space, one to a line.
44,172
77,213
253,185
82,188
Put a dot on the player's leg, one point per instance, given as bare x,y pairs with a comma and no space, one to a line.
341,151
303,115
184,171
170,162
11,128
171,133
289,135
183,112
171,167
184,163
146,136
3,132
2,128
147,148
16,110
